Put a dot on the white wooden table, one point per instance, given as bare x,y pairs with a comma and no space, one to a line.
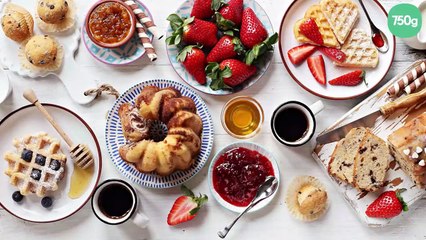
272,222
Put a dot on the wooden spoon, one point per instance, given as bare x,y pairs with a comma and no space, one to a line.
80,153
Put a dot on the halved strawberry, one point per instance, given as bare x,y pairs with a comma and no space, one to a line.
350,79
310,29
185,207
333,53
317,67
300,53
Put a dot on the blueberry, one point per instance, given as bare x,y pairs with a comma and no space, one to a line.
36,174
40,160
27,155
17,196
55,164
46,202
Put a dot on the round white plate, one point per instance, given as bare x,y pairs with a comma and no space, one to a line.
172,51
303,76
115,138
251,146
28,120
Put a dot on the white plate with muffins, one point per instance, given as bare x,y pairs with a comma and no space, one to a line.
39,38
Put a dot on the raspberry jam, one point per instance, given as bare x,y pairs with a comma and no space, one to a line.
238,173
378,40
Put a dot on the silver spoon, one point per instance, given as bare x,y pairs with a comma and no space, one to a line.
376,32
263,192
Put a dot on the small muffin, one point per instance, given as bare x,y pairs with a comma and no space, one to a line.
42,52
307,198
55,15
17,23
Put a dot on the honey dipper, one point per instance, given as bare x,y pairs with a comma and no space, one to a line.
80,153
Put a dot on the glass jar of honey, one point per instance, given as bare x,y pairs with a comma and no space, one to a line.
242,117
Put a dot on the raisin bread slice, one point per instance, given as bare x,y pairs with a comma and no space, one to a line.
341,164
371,163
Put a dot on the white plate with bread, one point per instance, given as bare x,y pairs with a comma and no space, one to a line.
355,42
389,155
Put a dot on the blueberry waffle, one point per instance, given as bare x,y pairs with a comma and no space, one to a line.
37,165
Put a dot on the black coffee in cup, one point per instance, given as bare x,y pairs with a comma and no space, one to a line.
115,201
291,124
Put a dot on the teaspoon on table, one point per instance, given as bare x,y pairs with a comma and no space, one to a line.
268,187
377,36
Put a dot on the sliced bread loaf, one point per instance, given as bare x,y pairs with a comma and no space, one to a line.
341,164
371,163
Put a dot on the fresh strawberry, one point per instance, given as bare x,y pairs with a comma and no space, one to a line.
252,31
333,53
227,47
202,9
310,29
229,15
185,207
192,31
300,53
317,67
194,61
350,79
389,204
229,73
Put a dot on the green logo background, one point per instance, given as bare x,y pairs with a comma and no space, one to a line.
404,20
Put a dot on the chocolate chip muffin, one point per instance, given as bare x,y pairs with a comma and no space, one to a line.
17,23
52,11
41,50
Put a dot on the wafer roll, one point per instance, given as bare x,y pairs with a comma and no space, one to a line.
416,84
143,18
407,79
146,42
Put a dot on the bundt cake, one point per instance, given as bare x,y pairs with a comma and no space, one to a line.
182,143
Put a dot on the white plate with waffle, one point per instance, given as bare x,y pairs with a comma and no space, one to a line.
301,73
25,122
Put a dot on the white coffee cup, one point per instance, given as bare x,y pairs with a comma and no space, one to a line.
132,212
419,41
308,111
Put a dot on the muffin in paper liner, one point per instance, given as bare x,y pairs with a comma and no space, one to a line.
49,67
17,22
307,198
62,25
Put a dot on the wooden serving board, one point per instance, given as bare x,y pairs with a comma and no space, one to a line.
383,127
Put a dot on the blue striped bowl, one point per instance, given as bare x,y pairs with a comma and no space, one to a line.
114,138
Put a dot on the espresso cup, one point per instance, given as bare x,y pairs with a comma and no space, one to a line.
293,123
115,201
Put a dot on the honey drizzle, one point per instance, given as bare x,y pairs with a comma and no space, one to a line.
80,181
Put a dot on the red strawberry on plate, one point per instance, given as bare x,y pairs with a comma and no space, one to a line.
310,29
192,31
300,53
317,67
333,53
389,204
229,15
350,79
202,9
185,207
252,31
194,61
227,47
229,73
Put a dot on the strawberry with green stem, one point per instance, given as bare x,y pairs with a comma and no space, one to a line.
252,31
389,204
227,47
260,49
228,15
192,31
194,61
186,207
229,73
202,9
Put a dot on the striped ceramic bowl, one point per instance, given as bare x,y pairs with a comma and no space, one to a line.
114,138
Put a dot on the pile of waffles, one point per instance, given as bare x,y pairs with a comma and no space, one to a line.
330,27
36,166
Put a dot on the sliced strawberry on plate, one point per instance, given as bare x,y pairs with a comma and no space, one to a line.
350,79
389,204
333,53
317,67
185,207
300,53
310,29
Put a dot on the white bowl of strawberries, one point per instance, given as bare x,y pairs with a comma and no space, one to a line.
220,48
